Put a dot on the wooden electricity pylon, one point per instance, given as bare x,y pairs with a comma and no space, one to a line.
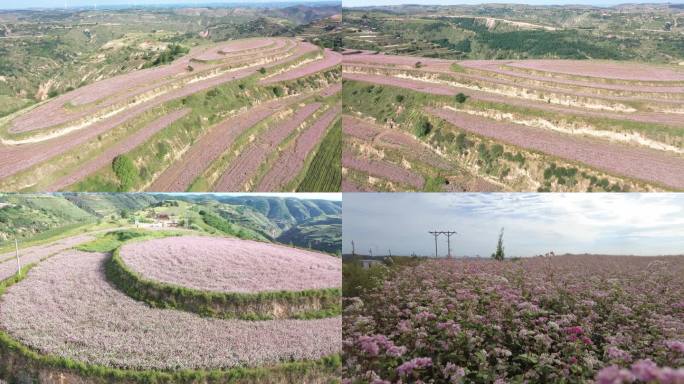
353,249
435,234
448,234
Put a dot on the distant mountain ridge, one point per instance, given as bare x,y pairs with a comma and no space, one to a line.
301,222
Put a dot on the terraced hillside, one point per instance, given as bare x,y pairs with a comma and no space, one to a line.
416,123
210,120
207,330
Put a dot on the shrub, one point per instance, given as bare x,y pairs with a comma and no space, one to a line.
423,127
125,171
262,70
278,91
460,98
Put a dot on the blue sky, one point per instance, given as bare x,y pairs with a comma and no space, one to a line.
640,224
14,4
601,3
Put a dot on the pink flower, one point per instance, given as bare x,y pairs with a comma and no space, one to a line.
645,370
675,345
614,375
577,330
417,363
619,354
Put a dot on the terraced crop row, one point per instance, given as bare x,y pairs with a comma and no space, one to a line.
40,148
66,318
557,125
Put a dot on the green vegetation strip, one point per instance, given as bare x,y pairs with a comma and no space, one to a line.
324,174
307,304
19,363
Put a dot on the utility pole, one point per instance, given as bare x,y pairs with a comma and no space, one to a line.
390,252
353,249
435,234
16,247
370,252
448,235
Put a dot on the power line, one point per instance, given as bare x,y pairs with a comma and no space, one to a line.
448,235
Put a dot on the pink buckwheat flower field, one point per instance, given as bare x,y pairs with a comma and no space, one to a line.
563,319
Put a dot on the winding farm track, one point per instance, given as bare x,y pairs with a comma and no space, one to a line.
122,147
292,159
382,169
676,120
36,253
242,168
634,162
66,307
16,158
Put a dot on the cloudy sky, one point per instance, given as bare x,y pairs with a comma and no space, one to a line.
640,224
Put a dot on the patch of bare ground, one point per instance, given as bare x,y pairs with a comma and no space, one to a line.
638,163
242,168
125,145
383,169
291,161
446,90
329,60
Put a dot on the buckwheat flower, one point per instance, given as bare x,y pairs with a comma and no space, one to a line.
645,370
671,376
614,375
417,363
395,351
404,326
675,345
576,330
618,354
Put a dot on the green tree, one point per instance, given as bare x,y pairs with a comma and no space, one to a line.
423,127
499,254
125,171
460,98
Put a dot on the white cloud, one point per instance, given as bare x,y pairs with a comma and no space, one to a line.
534,223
